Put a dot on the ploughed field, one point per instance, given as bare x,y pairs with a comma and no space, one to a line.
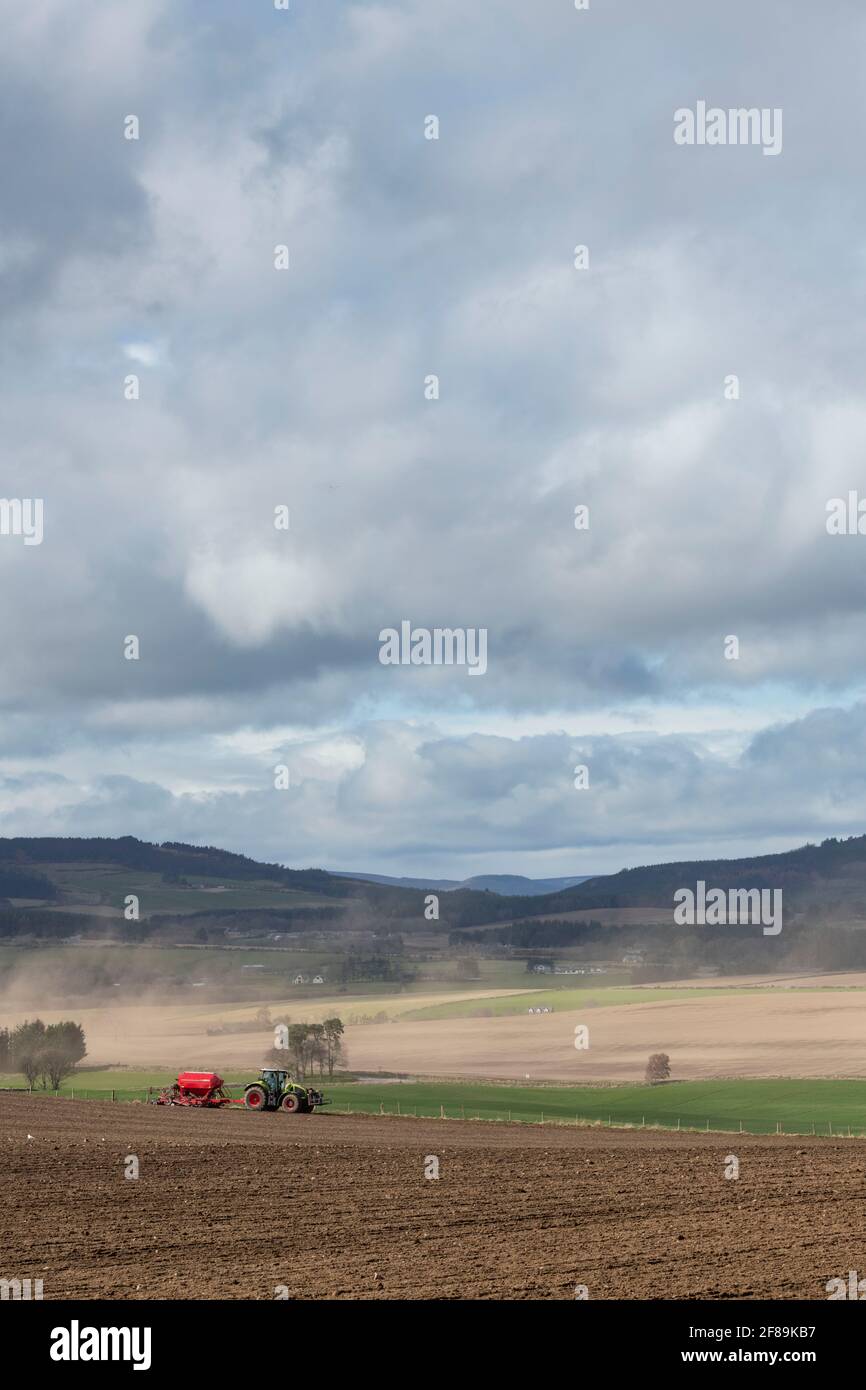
236,1205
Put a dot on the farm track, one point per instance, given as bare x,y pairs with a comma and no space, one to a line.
518,1212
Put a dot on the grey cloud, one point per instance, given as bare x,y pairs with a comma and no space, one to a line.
557,387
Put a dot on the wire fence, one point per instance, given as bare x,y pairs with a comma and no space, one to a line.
722,1124
718,1123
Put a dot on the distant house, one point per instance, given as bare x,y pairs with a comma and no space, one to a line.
301,980
318,980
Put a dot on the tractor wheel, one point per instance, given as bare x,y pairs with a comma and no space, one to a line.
255,1098
291,1103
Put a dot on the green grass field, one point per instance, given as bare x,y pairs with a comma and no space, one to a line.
804,1107
563,997
759,1106
573,997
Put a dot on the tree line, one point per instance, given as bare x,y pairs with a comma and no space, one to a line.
311,1045
42,1052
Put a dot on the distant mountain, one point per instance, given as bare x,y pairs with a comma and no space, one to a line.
431,885
508,885
516,886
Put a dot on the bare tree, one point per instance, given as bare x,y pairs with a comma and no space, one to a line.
658,1068
334,1048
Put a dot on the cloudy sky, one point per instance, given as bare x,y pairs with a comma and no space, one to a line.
558,387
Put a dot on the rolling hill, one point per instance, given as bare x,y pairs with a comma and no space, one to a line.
506,885
44,879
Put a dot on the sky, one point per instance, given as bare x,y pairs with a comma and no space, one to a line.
606,386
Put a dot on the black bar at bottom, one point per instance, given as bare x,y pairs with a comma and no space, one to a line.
83,1338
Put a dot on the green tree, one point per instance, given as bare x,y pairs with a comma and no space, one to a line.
63,1048
48,1053
25,1049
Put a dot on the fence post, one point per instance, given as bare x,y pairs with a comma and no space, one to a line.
678,1121
398,1107
442,1112
113,1095
830,1125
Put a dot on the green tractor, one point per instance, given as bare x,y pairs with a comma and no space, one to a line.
277,1091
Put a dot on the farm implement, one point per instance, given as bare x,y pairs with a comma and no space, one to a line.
274,1090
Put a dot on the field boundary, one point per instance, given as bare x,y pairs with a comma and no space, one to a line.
381,1109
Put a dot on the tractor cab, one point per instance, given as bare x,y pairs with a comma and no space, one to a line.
275,1080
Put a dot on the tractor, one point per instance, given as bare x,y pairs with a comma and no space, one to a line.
275,1090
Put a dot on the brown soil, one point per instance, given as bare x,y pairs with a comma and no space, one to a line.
232,1205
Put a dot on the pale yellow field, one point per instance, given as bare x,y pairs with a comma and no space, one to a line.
840,979
786,1032
175,1035
748,1035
